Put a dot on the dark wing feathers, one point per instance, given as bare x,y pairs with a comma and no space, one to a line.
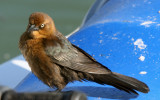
90,57
74,58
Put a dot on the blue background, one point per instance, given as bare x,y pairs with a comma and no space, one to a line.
109,35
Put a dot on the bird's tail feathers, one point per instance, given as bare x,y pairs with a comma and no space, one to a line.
121,82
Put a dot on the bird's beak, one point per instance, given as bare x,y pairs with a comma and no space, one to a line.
33,28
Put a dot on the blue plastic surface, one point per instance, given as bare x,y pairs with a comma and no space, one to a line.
124,36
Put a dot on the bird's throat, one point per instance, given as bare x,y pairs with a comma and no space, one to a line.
37,35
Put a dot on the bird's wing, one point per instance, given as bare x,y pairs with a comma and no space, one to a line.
74,58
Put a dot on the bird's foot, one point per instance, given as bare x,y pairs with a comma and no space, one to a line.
56,91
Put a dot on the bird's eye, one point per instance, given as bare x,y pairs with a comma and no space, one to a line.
42,25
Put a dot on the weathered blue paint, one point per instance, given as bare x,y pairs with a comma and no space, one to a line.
124,35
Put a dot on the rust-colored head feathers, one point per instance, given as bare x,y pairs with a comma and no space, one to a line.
40,25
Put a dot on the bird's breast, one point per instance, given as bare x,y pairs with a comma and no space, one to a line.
32,50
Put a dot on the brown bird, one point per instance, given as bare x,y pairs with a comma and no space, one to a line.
55,61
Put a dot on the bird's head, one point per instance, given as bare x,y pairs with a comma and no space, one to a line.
40,25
